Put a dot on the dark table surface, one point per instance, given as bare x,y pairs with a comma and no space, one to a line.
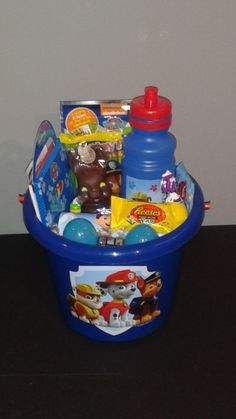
185,370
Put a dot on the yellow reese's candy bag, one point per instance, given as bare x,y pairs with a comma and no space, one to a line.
164,218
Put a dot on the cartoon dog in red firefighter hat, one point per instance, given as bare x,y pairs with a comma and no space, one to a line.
120,286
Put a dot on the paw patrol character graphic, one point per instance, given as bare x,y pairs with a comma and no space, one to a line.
104,223
114,124
145,308
85,304
120,286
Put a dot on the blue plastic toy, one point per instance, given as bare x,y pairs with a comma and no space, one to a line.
140,234
81,231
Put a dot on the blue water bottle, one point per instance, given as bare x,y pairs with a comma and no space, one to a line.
148,163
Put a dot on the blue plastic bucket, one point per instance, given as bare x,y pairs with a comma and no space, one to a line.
131,287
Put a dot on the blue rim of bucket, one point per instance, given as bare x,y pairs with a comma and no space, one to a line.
117,255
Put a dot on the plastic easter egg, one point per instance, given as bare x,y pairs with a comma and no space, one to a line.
81,231
140,234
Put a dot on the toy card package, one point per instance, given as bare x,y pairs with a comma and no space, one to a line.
98,125
52,188
87,117
104,122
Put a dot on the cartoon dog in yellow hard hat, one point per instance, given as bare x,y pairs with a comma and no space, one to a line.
85,304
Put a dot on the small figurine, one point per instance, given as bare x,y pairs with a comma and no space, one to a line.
89,165
168,183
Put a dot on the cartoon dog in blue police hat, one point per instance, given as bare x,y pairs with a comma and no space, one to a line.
145,307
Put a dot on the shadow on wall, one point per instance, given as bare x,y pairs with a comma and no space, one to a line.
14,157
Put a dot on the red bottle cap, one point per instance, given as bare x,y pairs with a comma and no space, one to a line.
150,112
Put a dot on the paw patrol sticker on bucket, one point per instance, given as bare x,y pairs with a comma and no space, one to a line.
114,299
